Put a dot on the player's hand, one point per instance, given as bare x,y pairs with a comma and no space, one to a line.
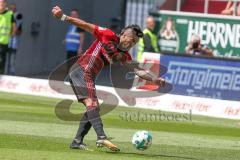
159,81
57,12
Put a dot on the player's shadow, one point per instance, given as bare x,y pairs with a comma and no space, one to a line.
153,155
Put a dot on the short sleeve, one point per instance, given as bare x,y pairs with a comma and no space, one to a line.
104,33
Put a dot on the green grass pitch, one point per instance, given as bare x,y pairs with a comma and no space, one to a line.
30,130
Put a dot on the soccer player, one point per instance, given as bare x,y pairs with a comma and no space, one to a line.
107,48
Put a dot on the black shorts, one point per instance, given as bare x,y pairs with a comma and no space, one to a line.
83,84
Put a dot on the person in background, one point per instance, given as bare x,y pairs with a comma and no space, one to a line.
230,9
196,48
7,29
74,40
149,42
14,41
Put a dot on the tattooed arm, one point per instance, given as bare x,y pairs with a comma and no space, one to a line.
146,75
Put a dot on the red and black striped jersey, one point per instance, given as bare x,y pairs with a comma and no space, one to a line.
103,51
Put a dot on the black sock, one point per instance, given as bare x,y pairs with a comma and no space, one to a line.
84,127
96,121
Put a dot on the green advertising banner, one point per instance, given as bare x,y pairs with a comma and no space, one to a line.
220,33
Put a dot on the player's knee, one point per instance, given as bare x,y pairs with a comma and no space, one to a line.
88,102
91,104
95,103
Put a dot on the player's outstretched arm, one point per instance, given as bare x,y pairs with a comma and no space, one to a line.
57,12
147,75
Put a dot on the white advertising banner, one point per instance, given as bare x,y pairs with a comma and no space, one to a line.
167,102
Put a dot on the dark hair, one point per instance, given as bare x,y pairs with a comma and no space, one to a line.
135,28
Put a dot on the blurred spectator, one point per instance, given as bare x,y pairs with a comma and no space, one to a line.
14,41
149,42
7,28
74,40
230,8
196,48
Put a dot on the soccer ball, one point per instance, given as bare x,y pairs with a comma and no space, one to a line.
142,140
